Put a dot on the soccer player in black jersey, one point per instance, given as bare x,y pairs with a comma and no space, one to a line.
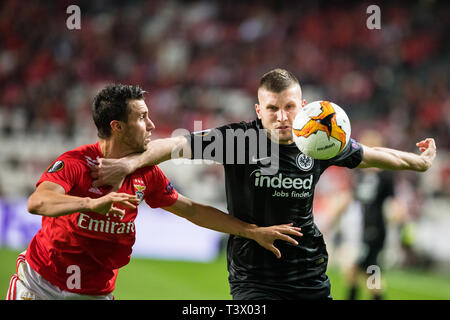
269,181
371,188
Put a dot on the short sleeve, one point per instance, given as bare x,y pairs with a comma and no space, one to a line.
64,171
208,144
350,157
162,192
213,144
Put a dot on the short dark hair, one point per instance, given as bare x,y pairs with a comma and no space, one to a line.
277,80
111,103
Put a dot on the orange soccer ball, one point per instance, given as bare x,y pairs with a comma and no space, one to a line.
321,130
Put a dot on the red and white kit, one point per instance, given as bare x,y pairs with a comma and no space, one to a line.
92,244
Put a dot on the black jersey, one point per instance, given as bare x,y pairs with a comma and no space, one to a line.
268,184
371,189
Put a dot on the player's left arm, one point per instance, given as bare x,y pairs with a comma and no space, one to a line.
214,219
391,159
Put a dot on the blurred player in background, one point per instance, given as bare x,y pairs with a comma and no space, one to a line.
285,196
88,232
371,188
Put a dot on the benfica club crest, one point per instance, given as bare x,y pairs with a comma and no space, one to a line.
139,186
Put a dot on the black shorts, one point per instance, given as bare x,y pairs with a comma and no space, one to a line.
260,291
369,254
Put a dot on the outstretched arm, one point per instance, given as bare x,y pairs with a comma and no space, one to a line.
212,218
50,200
113,171
391,159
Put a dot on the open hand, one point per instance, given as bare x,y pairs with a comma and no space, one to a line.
265,236
111,172
104,205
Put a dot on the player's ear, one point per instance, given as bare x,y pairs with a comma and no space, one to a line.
303,103
116,126
258,110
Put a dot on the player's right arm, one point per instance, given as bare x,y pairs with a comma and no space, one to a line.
50,200
391,159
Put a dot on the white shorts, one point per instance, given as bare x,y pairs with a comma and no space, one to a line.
27,284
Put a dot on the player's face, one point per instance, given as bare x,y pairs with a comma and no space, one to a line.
139,126
278,110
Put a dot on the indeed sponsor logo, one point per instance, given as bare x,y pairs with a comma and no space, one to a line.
280,181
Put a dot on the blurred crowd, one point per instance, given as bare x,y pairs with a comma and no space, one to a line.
202,60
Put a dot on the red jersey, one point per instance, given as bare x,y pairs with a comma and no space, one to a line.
97,244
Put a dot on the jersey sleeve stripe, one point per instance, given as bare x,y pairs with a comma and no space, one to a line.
11,294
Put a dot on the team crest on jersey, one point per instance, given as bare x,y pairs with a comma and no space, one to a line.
354,144
140,187
169,188
56,166
304,162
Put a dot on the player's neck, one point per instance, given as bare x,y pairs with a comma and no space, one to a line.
275,139
113,149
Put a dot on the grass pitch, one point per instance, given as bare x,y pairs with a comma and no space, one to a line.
147,279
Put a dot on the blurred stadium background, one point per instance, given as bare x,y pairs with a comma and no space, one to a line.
201,61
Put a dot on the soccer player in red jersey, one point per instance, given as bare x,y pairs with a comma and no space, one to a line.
88,232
